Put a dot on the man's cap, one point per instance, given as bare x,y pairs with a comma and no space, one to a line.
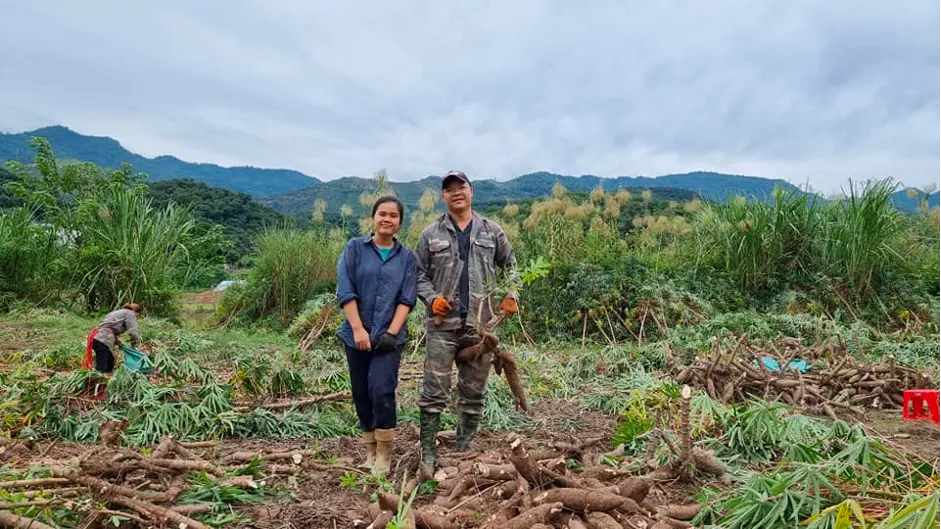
451,175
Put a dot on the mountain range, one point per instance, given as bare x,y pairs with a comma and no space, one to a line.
291,191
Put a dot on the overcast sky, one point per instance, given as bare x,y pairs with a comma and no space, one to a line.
811,91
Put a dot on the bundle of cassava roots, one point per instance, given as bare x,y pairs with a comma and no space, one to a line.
564,486
823,378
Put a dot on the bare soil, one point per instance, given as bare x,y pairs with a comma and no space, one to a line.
922,438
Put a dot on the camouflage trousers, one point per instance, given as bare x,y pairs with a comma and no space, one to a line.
442,346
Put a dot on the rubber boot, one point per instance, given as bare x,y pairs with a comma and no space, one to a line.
465,431
384,440
430,424
369,440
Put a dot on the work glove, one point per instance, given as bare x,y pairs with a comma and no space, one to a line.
509,306
440,307
385,344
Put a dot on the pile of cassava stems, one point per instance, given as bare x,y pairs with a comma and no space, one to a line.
835,380
518,488
127,483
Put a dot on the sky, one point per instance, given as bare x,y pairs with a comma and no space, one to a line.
813,92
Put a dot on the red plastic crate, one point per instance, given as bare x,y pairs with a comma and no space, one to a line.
920,405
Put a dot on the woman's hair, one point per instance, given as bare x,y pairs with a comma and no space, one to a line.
131,306
389,198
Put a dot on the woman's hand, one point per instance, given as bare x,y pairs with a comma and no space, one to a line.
361,337
385,343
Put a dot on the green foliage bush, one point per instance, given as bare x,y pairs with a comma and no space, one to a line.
92,235
291,266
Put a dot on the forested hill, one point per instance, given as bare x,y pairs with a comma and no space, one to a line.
714,186
107,152
291,191
243,219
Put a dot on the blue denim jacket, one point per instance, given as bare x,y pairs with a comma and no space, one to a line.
378,287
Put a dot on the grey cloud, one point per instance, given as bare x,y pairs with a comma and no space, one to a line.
809,91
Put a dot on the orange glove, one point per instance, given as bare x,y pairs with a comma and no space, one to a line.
440,307
509,306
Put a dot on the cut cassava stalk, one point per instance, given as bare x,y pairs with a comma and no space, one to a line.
183,464
198,444
155,512
189,510
100,486
32,483
297,402
21,522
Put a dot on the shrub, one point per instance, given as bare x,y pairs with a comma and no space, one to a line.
290,267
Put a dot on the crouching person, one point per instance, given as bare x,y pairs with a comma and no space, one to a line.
376,287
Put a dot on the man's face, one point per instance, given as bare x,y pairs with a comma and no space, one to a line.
457,196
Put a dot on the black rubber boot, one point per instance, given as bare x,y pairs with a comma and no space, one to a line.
465,431
430,424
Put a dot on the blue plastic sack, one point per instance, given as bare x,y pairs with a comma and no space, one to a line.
772,365
136,361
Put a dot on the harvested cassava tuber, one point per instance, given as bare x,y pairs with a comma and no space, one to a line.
686,511
634,487
575,523
581,500
381,521
469,354
388,502
428,518
495,472
600,520
533,516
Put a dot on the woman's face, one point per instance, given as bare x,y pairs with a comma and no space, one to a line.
387,219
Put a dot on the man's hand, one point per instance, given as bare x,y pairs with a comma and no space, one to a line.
385,344
509,306
440,307
361,337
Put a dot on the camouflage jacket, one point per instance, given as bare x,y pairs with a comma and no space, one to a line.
439,269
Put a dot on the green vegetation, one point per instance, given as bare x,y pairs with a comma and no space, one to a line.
92,236
107,152
619,284
241,219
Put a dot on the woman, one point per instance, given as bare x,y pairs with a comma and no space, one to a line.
376,286
103,337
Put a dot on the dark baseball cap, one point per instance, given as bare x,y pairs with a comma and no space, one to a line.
451,175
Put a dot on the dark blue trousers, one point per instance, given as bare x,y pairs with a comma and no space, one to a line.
373,378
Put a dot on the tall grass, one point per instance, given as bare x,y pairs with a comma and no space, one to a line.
28,258
756,242
850,246
861,242
129,251
290,267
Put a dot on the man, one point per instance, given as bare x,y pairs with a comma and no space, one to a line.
458,257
